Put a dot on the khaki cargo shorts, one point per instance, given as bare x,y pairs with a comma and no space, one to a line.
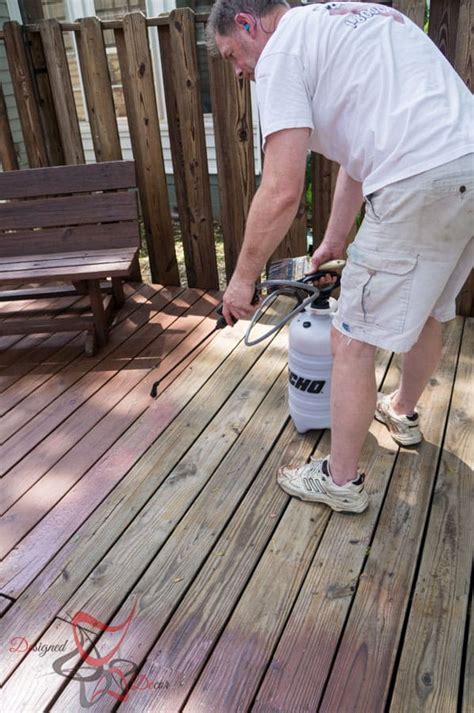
411,257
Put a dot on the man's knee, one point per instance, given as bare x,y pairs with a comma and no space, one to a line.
343,346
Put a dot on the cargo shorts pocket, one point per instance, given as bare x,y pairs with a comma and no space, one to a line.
376,288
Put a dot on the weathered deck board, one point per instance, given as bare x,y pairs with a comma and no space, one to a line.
367,652
436,625
243,599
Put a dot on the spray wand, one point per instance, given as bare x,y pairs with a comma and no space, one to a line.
274,288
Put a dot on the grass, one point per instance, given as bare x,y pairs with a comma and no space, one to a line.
145,266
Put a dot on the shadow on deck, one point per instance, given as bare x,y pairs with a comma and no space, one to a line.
162,520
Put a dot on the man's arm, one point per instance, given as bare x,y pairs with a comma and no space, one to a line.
272,211
346,204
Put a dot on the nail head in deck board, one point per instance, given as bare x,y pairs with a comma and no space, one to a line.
63,95
429,673
367,651
233,131
139,91
24,88
98,90
203,268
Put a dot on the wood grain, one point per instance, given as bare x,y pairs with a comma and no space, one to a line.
429,673
98,90
24,88
62,92
201,264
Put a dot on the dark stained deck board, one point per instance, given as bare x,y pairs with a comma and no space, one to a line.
245,599
54,464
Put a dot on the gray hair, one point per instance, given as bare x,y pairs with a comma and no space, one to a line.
221,18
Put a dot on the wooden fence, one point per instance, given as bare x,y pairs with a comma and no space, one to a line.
48,116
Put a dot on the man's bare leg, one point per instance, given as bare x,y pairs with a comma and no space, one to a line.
418,366
353,398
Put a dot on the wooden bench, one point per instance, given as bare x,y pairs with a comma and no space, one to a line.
73,224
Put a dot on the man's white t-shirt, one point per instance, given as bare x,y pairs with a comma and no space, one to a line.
378,96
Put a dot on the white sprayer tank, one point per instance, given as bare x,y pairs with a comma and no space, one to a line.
309,367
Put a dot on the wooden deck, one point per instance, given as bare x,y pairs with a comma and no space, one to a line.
162,520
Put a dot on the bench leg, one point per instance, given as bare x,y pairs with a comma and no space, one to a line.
98,311
80,286
117,291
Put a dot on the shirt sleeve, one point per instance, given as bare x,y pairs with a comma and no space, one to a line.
282,95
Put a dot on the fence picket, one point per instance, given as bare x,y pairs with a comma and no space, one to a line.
139,89
463,55
233,132
176,145
201,263
295,241
443,26
47,112
8,157
61,86
414,9
98,90
26,100
323,176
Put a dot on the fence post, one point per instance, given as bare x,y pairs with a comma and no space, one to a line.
233,132
98,90
8,157
176,145
139,90
294,243
323,178
463,54
443,26
26,101
61,87
201,263
414,9
45,100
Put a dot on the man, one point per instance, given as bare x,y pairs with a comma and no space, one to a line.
362,85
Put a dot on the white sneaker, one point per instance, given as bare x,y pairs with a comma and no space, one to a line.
405,430
313,482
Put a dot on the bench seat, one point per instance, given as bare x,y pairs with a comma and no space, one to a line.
83,238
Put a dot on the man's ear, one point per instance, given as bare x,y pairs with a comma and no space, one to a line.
245,22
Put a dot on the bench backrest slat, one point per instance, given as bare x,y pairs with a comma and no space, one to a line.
69,239
62,180
71,210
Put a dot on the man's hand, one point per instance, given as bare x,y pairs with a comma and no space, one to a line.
238,298
326,252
